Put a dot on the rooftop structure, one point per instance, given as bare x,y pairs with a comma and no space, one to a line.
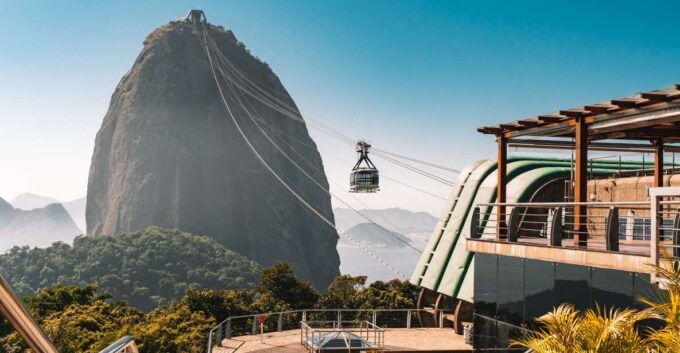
520,235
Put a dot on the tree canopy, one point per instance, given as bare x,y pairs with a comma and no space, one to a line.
147,269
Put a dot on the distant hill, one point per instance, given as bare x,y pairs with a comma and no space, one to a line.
377,236
28,201
395,219
415,227
37,227
76,208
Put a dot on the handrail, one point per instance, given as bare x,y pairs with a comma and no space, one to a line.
124,345
21,320
223,329
561,204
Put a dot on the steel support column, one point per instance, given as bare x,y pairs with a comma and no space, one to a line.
581,183
501,226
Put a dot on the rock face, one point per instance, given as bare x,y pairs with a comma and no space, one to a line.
38,227
167,154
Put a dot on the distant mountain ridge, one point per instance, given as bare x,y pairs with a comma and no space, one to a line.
38,227
395,228
395,219
27,201
76,208
377,236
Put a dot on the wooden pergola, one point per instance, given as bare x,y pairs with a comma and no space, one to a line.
649,122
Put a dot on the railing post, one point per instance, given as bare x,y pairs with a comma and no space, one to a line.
654,218
218,334
227,334
676,234
254,325
279,326
339,318
475,232
210,342
408,319
612,230
513,225
441,319
375,317
555,227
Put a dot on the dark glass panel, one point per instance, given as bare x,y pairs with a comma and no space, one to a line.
485,335
511,290
572,285
643,288
505,333
539,288
611,288
485,291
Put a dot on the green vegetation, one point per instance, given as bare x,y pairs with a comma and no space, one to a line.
81,319
146,269
613,331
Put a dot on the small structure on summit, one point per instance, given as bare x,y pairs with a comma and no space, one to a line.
196,17
364,178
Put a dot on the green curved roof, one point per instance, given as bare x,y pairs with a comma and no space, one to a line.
445,265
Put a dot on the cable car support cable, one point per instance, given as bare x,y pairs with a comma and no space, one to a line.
273,172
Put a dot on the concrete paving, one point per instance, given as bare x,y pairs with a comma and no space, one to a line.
396,340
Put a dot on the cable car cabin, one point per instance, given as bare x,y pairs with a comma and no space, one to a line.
364,178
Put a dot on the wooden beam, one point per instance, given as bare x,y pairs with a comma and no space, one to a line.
598,109
658,164
625,103
581,183
502,169
509,126
529,123
573,113
490,130
569,145
550,118
656,96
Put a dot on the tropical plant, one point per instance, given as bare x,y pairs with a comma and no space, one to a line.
666,306
565,329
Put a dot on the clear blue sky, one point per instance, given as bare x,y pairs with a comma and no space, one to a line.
415,77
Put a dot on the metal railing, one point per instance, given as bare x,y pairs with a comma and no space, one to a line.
312,334
124,345
289,320
636,227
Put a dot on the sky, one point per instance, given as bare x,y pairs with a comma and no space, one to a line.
413,77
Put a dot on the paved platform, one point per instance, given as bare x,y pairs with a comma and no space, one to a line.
396,340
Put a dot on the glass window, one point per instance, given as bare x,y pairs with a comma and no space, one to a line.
539,288
485,284
485,335
572,285
511,290
611,288
643,288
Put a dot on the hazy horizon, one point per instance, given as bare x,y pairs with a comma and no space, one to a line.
415,78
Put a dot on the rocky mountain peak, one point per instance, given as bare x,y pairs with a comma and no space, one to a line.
168,155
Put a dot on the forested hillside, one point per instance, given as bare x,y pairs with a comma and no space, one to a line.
146,268
85,320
